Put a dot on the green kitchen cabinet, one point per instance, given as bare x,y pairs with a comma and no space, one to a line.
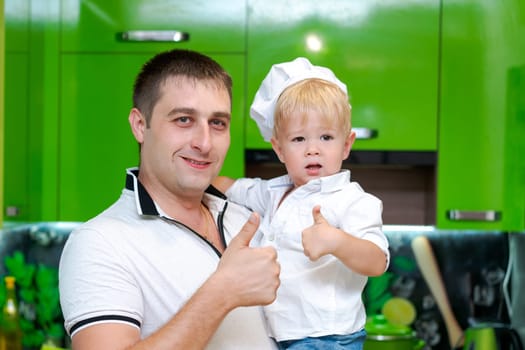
16,143
481,168
96,141
125,25
69,95
16,14
16,119
103,45
30,110
385,51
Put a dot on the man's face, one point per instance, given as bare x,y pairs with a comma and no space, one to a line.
189,134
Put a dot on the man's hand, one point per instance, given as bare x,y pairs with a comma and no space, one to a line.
321,238
250,275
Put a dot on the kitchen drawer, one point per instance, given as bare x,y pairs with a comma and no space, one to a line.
97,25
385,52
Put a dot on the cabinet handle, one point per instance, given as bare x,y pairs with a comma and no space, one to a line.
473,215
365,133
154,35
12,211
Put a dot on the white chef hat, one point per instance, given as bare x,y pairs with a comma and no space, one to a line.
280,77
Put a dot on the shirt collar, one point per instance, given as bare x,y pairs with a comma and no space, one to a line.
323,184
144,202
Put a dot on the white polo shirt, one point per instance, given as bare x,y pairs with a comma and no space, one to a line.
132,265
322,297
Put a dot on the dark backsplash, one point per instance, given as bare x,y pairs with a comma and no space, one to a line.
473,266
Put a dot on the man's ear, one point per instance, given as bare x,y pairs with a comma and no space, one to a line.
348,144
277,148
138,124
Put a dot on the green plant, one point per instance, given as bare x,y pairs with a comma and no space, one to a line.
38,297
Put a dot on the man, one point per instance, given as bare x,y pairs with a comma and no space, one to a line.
168,265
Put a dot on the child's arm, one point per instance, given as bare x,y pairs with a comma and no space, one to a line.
222,183
360,255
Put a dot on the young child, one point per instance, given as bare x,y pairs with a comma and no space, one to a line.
326,229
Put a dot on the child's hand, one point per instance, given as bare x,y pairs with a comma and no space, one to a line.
321,238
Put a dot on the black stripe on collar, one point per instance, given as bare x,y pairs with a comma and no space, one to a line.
214,191
147,206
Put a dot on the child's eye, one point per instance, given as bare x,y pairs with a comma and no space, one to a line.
298,139
326,137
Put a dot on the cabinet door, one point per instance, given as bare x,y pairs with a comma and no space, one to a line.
481,168
96,25
16,94
16,15
385,51
96,143
16,167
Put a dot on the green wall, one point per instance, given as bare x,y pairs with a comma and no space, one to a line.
1,111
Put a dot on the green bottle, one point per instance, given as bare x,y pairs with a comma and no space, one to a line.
10,332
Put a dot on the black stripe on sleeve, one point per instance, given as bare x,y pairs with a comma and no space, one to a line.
103,318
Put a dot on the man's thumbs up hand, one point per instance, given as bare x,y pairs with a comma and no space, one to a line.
252,274
246,233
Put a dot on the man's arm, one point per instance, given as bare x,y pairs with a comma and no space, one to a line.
245,277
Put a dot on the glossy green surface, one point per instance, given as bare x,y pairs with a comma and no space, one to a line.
2,80
16,113
69,134
482,120
68,86
93,25
16,167
386,53
96,143
44,96
16,13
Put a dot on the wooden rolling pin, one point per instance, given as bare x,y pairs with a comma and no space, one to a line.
429,269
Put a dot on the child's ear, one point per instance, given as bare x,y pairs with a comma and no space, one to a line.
277,149
348,144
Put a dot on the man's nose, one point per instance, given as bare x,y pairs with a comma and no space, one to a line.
202,137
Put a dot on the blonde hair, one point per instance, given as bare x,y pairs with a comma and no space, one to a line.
313,94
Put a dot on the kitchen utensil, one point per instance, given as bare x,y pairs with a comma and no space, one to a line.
382,335
492,337
429,269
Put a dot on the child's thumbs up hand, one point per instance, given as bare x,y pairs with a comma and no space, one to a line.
318,217
250,275
320,238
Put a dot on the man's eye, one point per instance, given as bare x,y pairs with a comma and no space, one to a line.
218,123
183,120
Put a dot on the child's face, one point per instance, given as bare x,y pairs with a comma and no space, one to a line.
311,149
